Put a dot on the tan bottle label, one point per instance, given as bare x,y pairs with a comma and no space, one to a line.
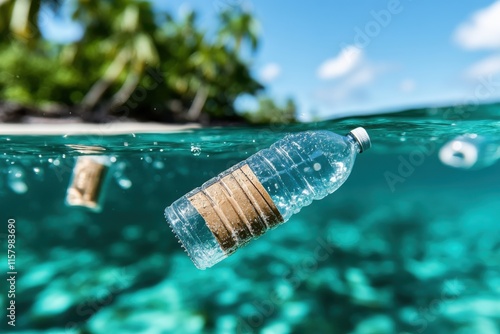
237,208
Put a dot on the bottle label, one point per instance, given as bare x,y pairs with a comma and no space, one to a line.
86,184
236,208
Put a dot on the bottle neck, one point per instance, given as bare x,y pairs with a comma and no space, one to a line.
354,142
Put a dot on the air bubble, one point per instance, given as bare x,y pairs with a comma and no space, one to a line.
124,183
158,165
122,180
18,187
38,173
196,150
16,180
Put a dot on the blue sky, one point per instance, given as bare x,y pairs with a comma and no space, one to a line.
342,57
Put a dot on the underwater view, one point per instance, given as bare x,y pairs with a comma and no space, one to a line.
409,244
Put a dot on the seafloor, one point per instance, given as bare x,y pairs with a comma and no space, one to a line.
424,258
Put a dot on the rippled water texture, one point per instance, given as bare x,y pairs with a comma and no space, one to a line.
410,243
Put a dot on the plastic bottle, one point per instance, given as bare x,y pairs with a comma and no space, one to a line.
261,192
88,182
470,151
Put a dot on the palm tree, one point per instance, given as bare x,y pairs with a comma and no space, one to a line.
238,26
127,50
121,40
213,64
194,66
19,19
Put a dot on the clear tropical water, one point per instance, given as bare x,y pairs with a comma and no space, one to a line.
406,245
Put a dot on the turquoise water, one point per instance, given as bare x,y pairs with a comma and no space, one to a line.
406,245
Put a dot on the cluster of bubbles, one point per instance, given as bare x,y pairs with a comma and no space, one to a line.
195,150
18,172
16,180
121,178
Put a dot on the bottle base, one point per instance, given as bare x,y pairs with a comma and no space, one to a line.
193,234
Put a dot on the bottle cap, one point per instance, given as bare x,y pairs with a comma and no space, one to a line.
362,138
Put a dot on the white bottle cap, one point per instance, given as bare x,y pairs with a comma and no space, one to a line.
362,138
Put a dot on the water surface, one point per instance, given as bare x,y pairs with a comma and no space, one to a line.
407,245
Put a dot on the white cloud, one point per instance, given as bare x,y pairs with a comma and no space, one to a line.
353,86
346,61
482,30
484,68
270,72
407,86
360,78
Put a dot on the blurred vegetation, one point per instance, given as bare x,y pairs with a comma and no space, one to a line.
131,61
270,112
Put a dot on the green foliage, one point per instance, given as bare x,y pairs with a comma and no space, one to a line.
238,26
33,77
269,112
109,69
19,21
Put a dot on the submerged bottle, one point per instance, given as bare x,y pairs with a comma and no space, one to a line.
470,151
262,192
88,182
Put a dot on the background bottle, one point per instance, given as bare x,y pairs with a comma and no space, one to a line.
261,192
470,151
88,181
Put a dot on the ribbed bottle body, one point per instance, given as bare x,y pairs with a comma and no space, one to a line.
304,167
225,213
258,194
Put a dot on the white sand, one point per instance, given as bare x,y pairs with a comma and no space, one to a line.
94,129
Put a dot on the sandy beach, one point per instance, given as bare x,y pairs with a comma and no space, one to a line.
94,129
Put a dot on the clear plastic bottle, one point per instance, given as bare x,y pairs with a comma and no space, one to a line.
263,191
